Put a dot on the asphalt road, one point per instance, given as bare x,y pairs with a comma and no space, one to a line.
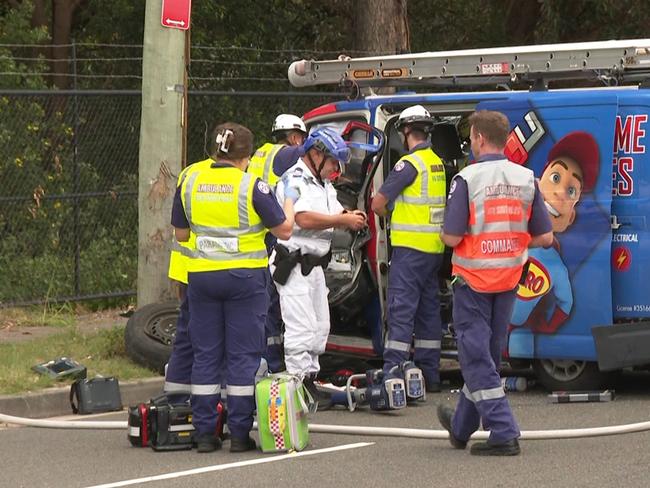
33,457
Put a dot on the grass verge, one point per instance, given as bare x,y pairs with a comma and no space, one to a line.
102,353
48,315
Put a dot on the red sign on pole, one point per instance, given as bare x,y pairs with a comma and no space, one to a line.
176,14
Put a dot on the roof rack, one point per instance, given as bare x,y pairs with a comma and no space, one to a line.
611,62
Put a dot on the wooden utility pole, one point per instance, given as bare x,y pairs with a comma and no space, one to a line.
161,151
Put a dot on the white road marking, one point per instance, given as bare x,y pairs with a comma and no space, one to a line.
221,467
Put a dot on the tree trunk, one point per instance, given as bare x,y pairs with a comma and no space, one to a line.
381,27
39,14
40,18
521,20
62,13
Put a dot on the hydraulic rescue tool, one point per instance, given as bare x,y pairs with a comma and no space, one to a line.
413,382
382,391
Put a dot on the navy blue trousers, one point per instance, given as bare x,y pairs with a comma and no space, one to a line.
273,328
227,316
414,309
179,367
480,321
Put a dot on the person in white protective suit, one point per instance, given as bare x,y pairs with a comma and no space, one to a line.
297,264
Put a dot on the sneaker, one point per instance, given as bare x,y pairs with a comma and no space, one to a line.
508,448
238,444
207,443
445,414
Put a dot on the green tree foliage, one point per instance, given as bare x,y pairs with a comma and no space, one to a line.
447,24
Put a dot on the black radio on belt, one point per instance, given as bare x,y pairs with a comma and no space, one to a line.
165,426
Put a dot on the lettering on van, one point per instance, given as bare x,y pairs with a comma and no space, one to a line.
625,238
629,139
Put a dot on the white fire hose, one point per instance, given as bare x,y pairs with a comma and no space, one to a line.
527,435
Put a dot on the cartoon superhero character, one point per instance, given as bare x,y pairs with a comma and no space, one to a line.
545,299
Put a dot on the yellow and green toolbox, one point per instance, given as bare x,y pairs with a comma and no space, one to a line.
282,413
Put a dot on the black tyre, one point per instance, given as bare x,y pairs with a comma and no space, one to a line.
149,334
568,374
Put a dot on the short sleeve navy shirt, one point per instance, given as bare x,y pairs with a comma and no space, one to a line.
285,158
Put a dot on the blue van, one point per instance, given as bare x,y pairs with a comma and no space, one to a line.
583,302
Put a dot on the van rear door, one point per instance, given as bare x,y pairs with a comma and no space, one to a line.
566,138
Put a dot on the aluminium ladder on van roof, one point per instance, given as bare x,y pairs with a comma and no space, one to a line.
609,61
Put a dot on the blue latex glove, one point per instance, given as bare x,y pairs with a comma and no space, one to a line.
291,187
292,192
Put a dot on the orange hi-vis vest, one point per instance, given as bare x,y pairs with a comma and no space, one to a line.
492,254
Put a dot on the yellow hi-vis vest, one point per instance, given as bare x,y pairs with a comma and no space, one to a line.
181,251
218,203
261,164
419,210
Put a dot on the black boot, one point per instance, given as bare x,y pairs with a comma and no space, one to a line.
238,444
445,414
207,442
508,448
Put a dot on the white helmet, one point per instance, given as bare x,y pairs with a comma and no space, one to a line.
284,122
416,114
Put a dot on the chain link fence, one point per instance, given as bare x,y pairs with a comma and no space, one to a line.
69,181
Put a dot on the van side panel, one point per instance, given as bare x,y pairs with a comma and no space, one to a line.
631,205
567,289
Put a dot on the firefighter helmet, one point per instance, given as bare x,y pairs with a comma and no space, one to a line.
416,115
286,122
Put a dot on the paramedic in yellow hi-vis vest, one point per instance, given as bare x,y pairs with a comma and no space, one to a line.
416,186
269,163
178,372
228,213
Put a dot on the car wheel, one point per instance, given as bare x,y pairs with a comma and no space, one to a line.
149,334
568,374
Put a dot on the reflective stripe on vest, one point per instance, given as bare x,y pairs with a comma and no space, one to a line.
491,255
207,196
419,211
182,251
261,164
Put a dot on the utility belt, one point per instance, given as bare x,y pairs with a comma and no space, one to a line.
286,260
